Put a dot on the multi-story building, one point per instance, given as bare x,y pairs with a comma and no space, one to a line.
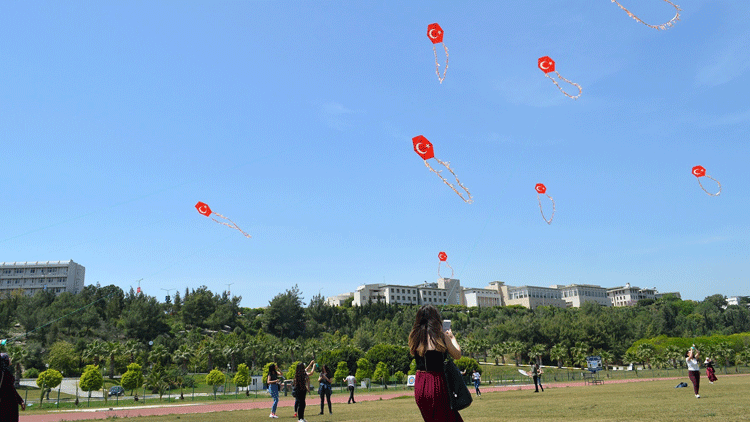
449,291
481,297
445,292
628,295
31,277
575,295
533,296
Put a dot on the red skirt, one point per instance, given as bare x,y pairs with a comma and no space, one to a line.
431,394
711,374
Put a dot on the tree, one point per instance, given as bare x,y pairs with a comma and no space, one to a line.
94,351
399,377
515,347
159,354
536,352
17,356
92,379
155,380
215,378
112,349
131,348
242,377
674,354
132,379
364,369
559,353
498,351
381,373
62,355
50,378
285,316
289,373
182,356
342,371
413,367
645,352
396,356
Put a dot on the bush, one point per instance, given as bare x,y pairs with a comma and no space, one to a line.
31,373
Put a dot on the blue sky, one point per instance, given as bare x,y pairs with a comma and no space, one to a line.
295,119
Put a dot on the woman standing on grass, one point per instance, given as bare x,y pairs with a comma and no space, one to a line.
694,369
9,397
273,387
325,388
301,387
710,371
429,345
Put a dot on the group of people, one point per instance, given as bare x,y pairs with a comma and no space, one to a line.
301,386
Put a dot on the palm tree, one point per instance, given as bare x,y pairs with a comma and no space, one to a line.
291,346
229,351
131,348
579,353
630,357
182,356
111,350
471,346
646,352
559,353
536,352
94,351
17,354
515,347
158,354
498,351
607,358
209,349
674,353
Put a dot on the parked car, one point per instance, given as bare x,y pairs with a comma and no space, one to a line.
116,391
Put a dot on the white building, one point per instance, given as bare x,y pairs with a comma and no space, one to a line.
628,295
481,297
339,300
533,296
31,277
575,295
445,292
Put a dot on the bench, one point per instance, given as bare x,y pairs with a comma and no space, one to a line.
592,378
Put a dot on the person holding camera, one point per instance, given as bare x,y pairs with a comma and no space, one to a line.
430,343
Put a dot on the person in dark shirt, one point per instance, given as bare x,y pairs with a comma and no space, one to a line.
9,397
429,344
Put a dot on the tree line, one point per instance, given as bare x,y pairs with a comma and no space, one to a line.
199,331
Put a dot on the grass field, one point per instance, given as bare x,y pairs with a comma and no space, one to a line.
657,400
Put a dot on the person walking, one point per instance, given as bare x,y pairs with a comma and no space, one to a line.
536,373
429,345
694,369
477,378
710,372
309,370
273,387
351,382
302,386
9,397
325,388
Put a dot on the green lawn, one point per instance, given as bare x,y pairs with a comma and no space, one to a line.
636,401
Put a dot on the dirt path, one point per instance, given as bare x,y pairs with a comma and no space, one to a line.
285,404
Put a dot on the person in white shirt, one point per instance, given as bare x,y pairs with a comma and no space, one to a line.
351,382
694,369
477,378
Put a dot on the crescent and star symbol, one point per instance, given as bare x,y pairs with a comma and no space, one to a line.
540,188
435,33
546,64
699,171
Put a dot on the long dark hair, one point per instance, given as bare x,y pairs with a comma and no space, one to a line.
4,362
427,326
300,378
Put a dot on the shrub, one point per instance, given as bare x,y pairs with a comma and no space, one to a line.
31,373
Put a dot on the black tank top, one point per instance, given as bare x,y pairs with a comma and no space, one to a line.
431,361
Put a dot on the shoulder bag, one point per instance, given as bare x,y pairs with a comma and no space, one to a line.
459,396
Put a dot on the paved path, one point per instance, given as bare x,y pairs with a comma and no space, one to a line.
285,404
